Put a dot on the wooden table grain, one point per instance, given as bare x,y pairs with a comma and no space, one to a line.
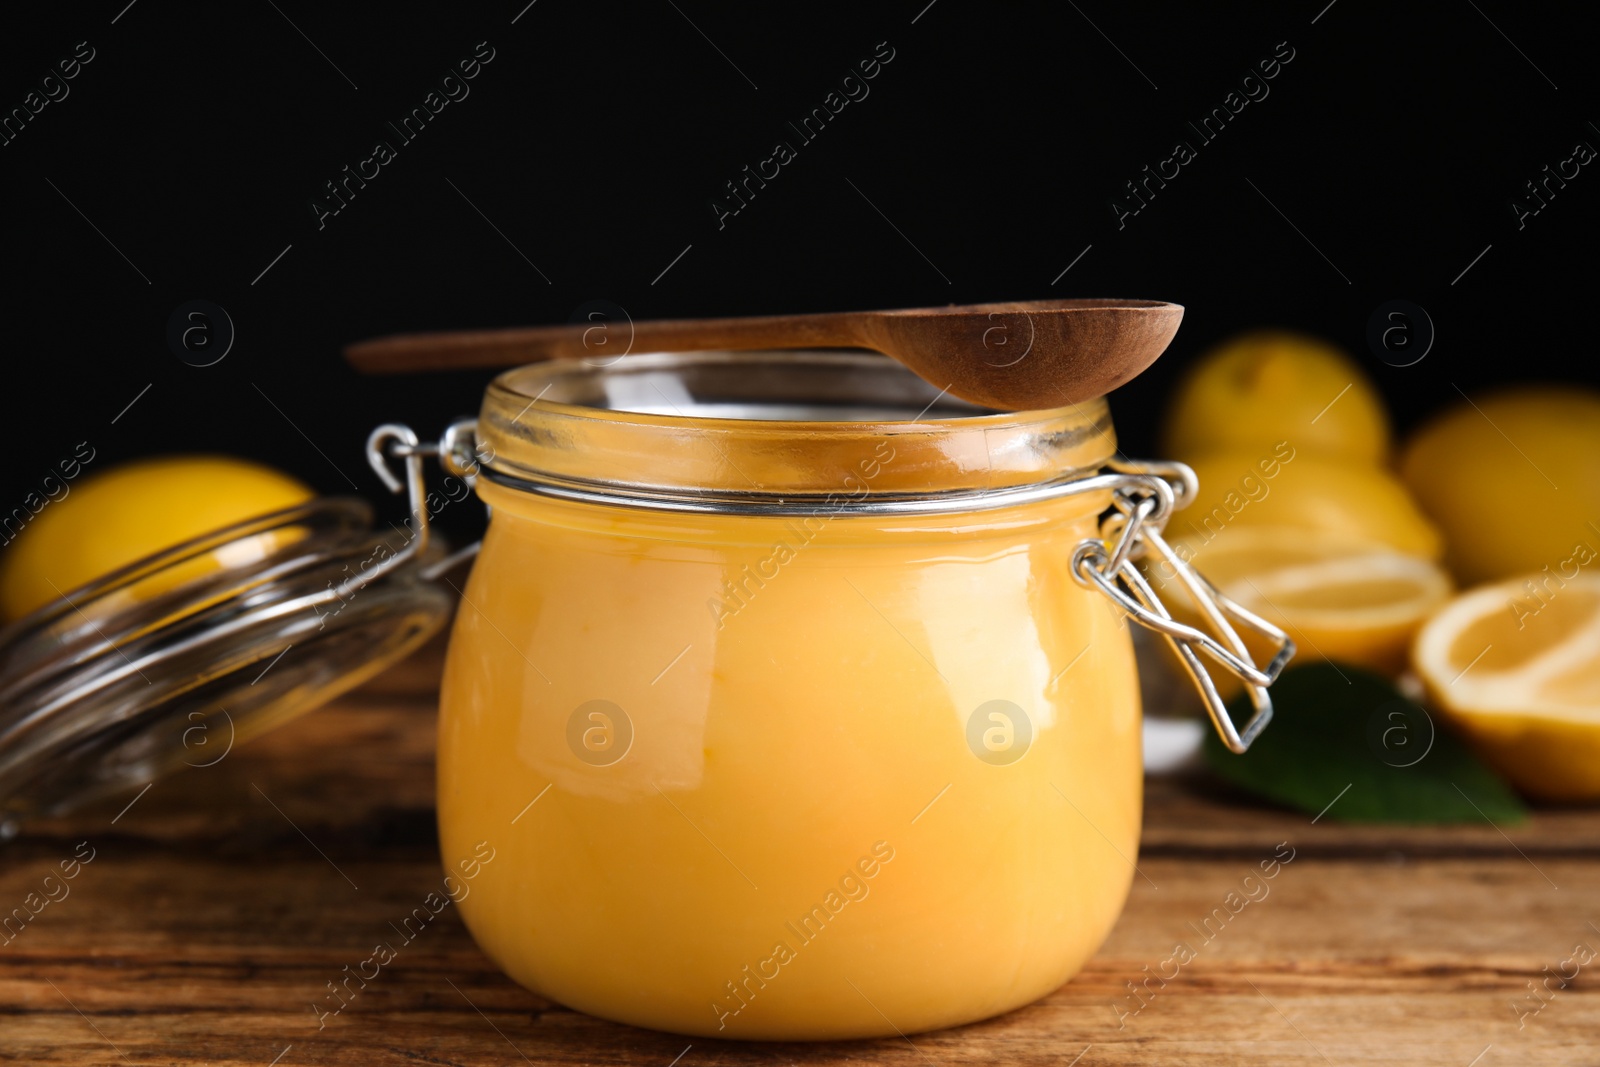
218,903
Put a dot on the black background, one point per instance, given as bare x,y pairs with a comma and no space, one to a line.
597,137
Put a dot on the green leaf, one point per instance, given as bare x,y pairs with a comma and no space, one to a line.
1335,726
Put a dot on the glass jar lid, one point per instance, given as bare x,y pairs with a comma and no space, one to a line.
175,658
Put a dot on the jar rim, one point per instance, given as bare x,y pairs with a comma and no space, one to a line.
770,425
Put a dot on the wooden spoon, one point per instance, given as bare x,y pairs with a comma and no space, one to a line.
1012,356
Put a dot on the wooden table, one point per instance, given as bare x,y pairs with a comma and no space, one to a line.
220,902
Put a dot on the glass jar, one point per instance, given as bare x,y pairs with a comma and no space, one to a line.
782,703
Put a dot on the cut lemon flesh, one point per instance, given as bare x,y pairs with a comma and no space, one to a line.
1502,649
1516,666
1338,598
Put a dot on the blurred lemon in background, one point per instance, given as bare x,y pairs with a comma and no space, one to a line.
115,517
1281,488
1299,520
1515,666
1513,481
1273,386
1338,597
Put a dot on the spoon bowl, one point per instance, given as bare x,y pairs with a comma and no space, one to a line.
1030,354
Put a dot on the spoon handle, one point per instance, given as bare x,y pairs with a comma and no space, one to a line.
461,350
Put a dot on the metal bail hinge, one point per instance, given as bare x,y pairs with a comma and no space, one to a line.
455,451
1131,531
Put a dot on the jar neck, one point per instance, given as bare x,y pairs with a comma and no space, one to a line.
810,428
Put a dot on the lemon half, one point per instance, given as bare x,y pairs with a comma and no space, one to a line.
1340,599
1516,667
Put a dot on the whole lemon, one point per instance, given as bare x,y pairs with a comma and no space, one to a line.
1278,486
1269,386
1513,480
111,518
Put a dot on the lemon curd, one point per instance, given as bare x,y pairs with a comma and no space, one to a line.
758,760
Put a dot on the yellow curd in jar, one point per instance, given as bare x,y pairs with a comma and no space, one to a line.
786,777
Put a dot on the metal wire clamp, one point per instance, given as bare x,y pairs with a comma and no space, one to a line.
1132,530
